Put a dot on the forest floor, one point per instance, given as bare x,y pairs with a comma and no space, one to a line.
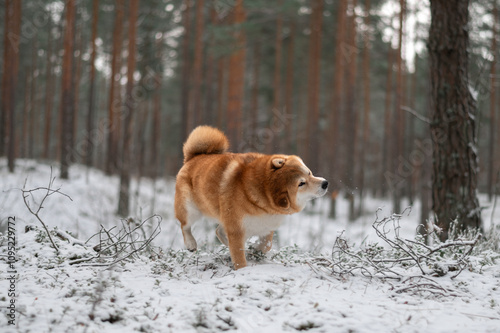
303,284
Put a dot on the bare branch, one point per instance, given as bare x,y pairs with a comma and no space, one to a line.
416,114
36,211
117,245
375,261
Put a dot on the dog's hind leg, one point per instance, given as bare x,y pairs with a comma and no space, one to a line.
187,214
265,242
221,235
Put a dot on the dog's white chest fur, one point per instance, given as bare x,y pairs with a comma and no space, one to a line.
261,225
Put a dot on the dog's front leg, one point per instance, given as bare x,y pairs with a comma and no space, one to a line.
236,239
265,242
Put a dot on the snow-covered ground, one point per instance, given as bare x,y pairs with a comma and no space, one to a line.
173,290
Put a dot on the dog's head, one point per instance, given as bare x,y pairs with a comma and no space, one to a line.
293,184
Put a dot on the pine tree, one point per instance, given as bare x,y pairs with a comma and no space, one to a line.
90,113
67,103
114,104
49,91
130,104
195,111
453,130
313,83
236,78
491,162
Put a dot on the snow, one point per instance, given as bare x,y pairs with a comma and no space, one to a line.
174,290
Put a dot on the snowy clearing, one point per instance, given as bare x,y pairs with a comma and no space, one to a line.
172,290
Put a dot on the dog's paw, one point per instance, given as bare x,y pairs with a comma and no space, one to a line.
191,244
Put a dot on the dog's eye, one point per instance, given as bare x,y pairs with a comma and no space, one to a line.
302,184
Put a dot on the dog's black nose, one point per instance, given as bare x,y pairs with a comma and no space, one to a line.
324,184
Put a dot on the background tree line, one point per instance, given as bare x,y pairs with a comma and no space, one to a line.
119,84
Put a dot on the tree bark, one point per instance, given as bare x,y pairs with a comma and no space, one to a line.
5,74
351,115
49,93
76,88
453,130
195,112
12,36
398,123
156,126
32,115
89,153
288,103
67,91
313,83
236,79
221,84
130,104
491,162
186,69
384,183
334,166
366,107
411,132
26,116
115,106
210,117
254,101
278,57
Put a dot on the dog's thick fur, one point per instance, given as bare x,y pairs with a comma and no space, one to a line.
248,194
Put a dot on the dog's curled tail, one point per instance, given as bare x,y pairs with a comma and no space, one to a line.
204,140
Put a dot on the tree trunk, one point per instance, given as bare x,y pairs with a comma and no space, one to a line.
313,82
195,112
49,93
384,183
76,88
89,154
114,91
210,75
290,57
453,130
67,91
254,104
366,107
351,116
236,79
335,166
411,133
12,34
397,186
26,116
425,197
140,125
221,84
491,162
186,69
278,57
156,126
130,104
5,73
33,117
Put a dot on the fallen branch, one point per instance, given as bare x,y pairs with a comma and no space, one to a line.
396,260
419,284
36,211
116,245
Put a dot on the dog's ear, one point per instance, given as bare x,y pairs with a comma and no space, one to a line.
278,162
282,201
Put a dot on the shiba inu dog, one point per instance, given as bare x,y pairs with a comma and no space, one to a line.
248,194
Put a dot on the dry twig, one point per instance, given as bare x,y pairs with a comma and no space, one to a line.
36,211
